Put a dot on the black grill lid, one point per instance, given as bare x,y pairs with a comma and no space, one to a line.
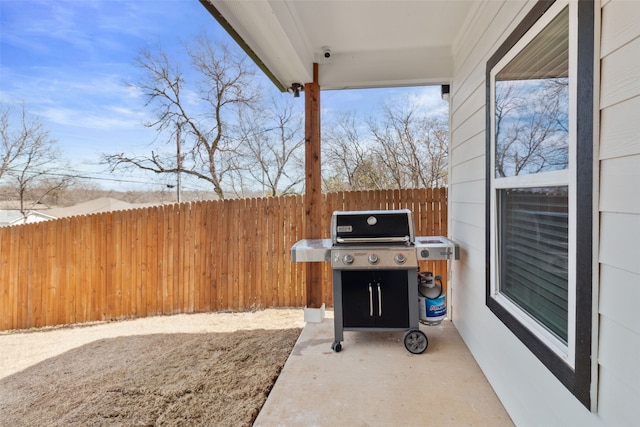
380,226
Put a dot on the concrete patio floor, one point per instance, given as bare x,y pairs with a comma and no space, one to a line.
375,381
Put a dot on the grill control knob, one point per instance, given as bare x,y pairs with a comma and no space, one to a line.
373,259
424,253
347,259
400,258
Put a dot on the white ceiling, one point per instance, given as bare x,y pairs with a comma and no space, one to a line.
374,43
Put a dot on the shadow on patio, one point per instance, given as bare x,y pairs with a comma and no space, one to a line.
375,381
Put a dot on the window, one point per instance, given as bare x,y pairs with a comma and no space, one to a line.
539,187
534,252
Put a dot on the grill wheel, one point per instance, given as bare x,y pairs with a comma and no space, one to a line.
415,341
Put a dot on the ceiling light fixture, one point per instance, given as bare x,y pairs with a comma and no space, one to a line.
295,89
444,92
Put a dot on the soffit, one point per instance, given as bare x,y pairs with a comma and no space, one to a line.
373,43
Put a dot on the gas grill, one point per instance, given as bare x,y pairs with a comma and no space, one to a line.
374,258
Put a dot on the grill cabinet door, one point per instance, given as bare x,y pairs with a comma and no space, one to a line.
393,295
375,299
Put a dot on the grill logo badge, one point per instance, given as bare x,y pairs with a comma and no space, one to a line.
344,229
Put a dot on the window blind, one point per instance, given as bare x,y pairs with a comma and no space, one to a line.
546,56
534,253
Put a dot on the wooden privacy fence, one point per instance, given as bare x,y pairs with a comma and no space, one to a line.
180,258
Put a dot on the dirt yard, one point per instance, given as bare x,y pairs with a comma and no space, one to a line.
184,370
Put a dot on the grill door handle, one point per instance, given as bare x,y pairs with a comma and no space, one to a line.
374,240
370,301
379,300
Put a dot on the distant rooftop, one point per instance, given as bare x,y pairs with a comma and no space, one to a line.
103,204
15,217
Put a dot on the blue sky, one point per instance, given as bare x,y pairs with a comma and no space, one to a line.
69,61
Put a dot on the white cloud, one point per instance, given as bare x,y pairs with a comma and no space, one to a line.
106,118
429,98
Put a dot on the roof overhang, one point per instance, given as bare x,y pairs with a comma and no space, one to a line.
378,43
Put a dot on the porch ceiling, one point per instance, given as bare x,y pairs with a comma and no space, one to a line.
373,43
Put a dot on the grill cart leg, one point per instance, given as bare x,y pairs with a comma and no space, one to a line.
415,341
337,311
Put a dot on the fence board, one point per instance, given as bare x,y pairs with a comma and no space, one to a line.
223,290
189,267
251,246
82,274
198,227
136,274
22,271
189,257
123,265
245,246
94,261
13,280
214,237
236,267
176,245
216,257
128,264
278,244
32,297
271,284
109,267
172,219
187,243
6,301
203,294
67,270
51,296
72,254
141,249
152,256
285,275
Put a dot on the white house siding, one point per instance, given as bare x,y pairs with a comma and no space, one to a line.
531,394
619,254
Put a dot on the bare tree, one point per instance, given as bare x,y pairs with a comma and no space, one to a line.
436,132
271,140
412,147
531,126
12,142
351,164
202,110
29,156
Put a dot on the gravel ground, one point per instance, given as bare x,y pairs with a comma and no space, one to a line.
212,369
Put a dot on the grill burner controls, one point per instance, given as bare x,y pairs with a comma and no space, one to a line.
378,258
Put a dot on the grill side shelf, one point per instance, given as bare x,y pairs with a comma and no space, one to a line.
436,248
311,250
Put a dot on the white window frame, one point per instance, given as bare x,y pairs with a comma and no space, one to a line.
566,177
573,364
